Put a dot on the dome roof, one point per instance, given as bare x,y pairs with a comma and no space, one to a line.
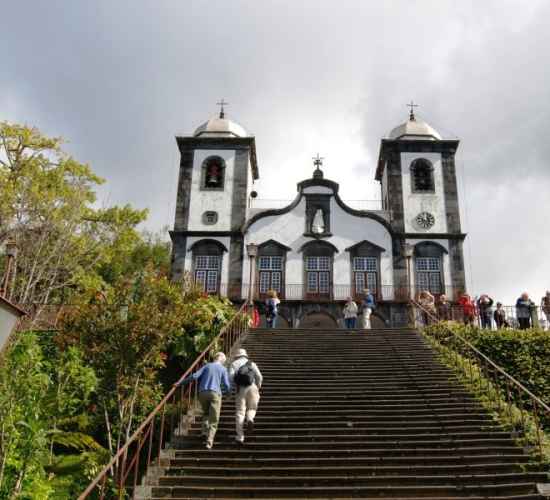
415,129
220,126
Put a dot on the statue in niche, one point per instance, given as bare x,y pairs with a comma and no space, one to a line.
213,175
318,223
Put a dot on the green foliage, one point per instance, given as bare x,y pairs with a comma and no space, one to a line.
47,208
43,392
69,399
493,396
523,354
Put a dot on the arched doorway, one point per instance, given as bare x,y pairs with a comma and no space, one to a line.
281,322
377,322
318,320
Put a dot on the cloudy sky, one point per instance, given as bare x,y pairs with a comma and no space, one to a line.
118,79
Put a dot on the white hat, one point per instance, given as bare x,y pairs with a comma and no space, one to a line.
240,353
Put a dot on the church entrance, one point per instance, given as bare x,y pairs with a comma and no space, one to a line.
319,321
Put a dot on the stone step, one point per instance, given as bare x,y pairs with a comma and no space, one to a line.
352,459
230,451
355,479
344,491
345,468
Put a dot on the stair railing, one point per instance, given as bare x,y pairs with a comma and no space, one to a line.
145,445
509,398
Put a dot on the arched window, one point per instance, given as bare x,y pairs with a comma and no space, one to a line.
207,264
271,267
422,176
365,266
428,261
318,258
213,173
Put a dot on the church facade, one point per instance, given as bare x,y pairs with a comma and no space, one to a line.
317,250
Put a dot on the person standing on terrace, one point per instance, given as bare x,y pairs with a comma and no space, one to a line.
350,313
484,304
368,306
523,311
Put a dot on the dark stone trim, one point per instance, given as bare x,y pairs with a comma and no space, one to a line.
456,259
177,265
388,146
327,244
222,143
271,212
276,243
236,260
240,181
435,236
220,245
394,192
174,234
440,247
450,191
183,199
318,182
238,218
352,248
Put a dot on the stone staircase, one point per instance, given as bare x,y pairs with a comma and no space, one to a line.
351,414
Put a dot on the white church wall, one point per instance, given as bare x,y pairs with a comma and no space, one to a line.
225,241
347,230
414,203
206,200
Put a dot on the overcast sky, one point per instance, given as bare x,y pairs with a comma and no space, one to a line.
118,79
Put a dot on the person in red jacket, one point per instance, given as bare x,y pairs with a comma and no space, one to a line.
468,308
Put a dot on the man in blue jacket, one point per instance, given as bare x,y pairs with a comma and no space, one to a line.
213,381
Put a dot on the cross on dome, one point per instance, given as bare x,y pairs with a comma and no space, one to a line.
318,162
222,103
412,105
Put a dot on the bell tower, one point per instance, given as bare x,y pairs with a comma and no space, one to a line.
217,169
416,169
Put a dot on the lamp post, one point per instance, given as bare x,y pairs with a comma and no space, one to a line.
252,251
11,255
408,251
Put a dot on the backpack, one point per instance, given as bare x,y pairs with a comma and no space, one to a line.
245,375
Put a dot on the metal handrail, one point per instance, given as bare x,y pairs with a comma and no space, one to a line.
123,467
510,382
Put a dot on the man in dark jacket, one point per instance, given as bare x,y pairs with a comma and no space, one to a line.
484,305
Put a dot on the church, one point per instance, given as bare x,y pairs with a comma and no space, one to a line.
317,250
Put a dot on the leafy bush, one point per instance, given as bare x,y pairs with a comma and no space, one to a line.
523,354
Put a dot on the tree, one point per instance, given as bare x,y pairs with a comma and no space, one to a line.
44,394
124,330
47,208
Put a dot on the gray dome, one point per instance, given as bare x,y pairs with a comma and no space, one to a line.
220,127
415,129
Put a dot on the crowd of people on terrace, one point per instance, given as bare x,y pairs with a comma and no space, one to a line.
481,311
484,312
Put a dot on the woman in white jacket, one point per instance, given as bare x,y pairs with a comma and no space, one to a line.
350,313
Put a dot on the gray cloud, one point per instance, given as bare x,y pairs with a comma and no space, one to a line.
120,79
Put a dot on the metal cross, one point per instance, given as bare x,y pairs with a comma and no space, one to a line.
222,103
318,160
412,105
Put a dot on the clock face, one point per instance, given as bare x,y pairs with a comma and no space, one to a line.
425,220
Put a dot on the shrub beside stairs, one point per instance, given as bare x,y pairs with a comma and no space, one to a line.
350,414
